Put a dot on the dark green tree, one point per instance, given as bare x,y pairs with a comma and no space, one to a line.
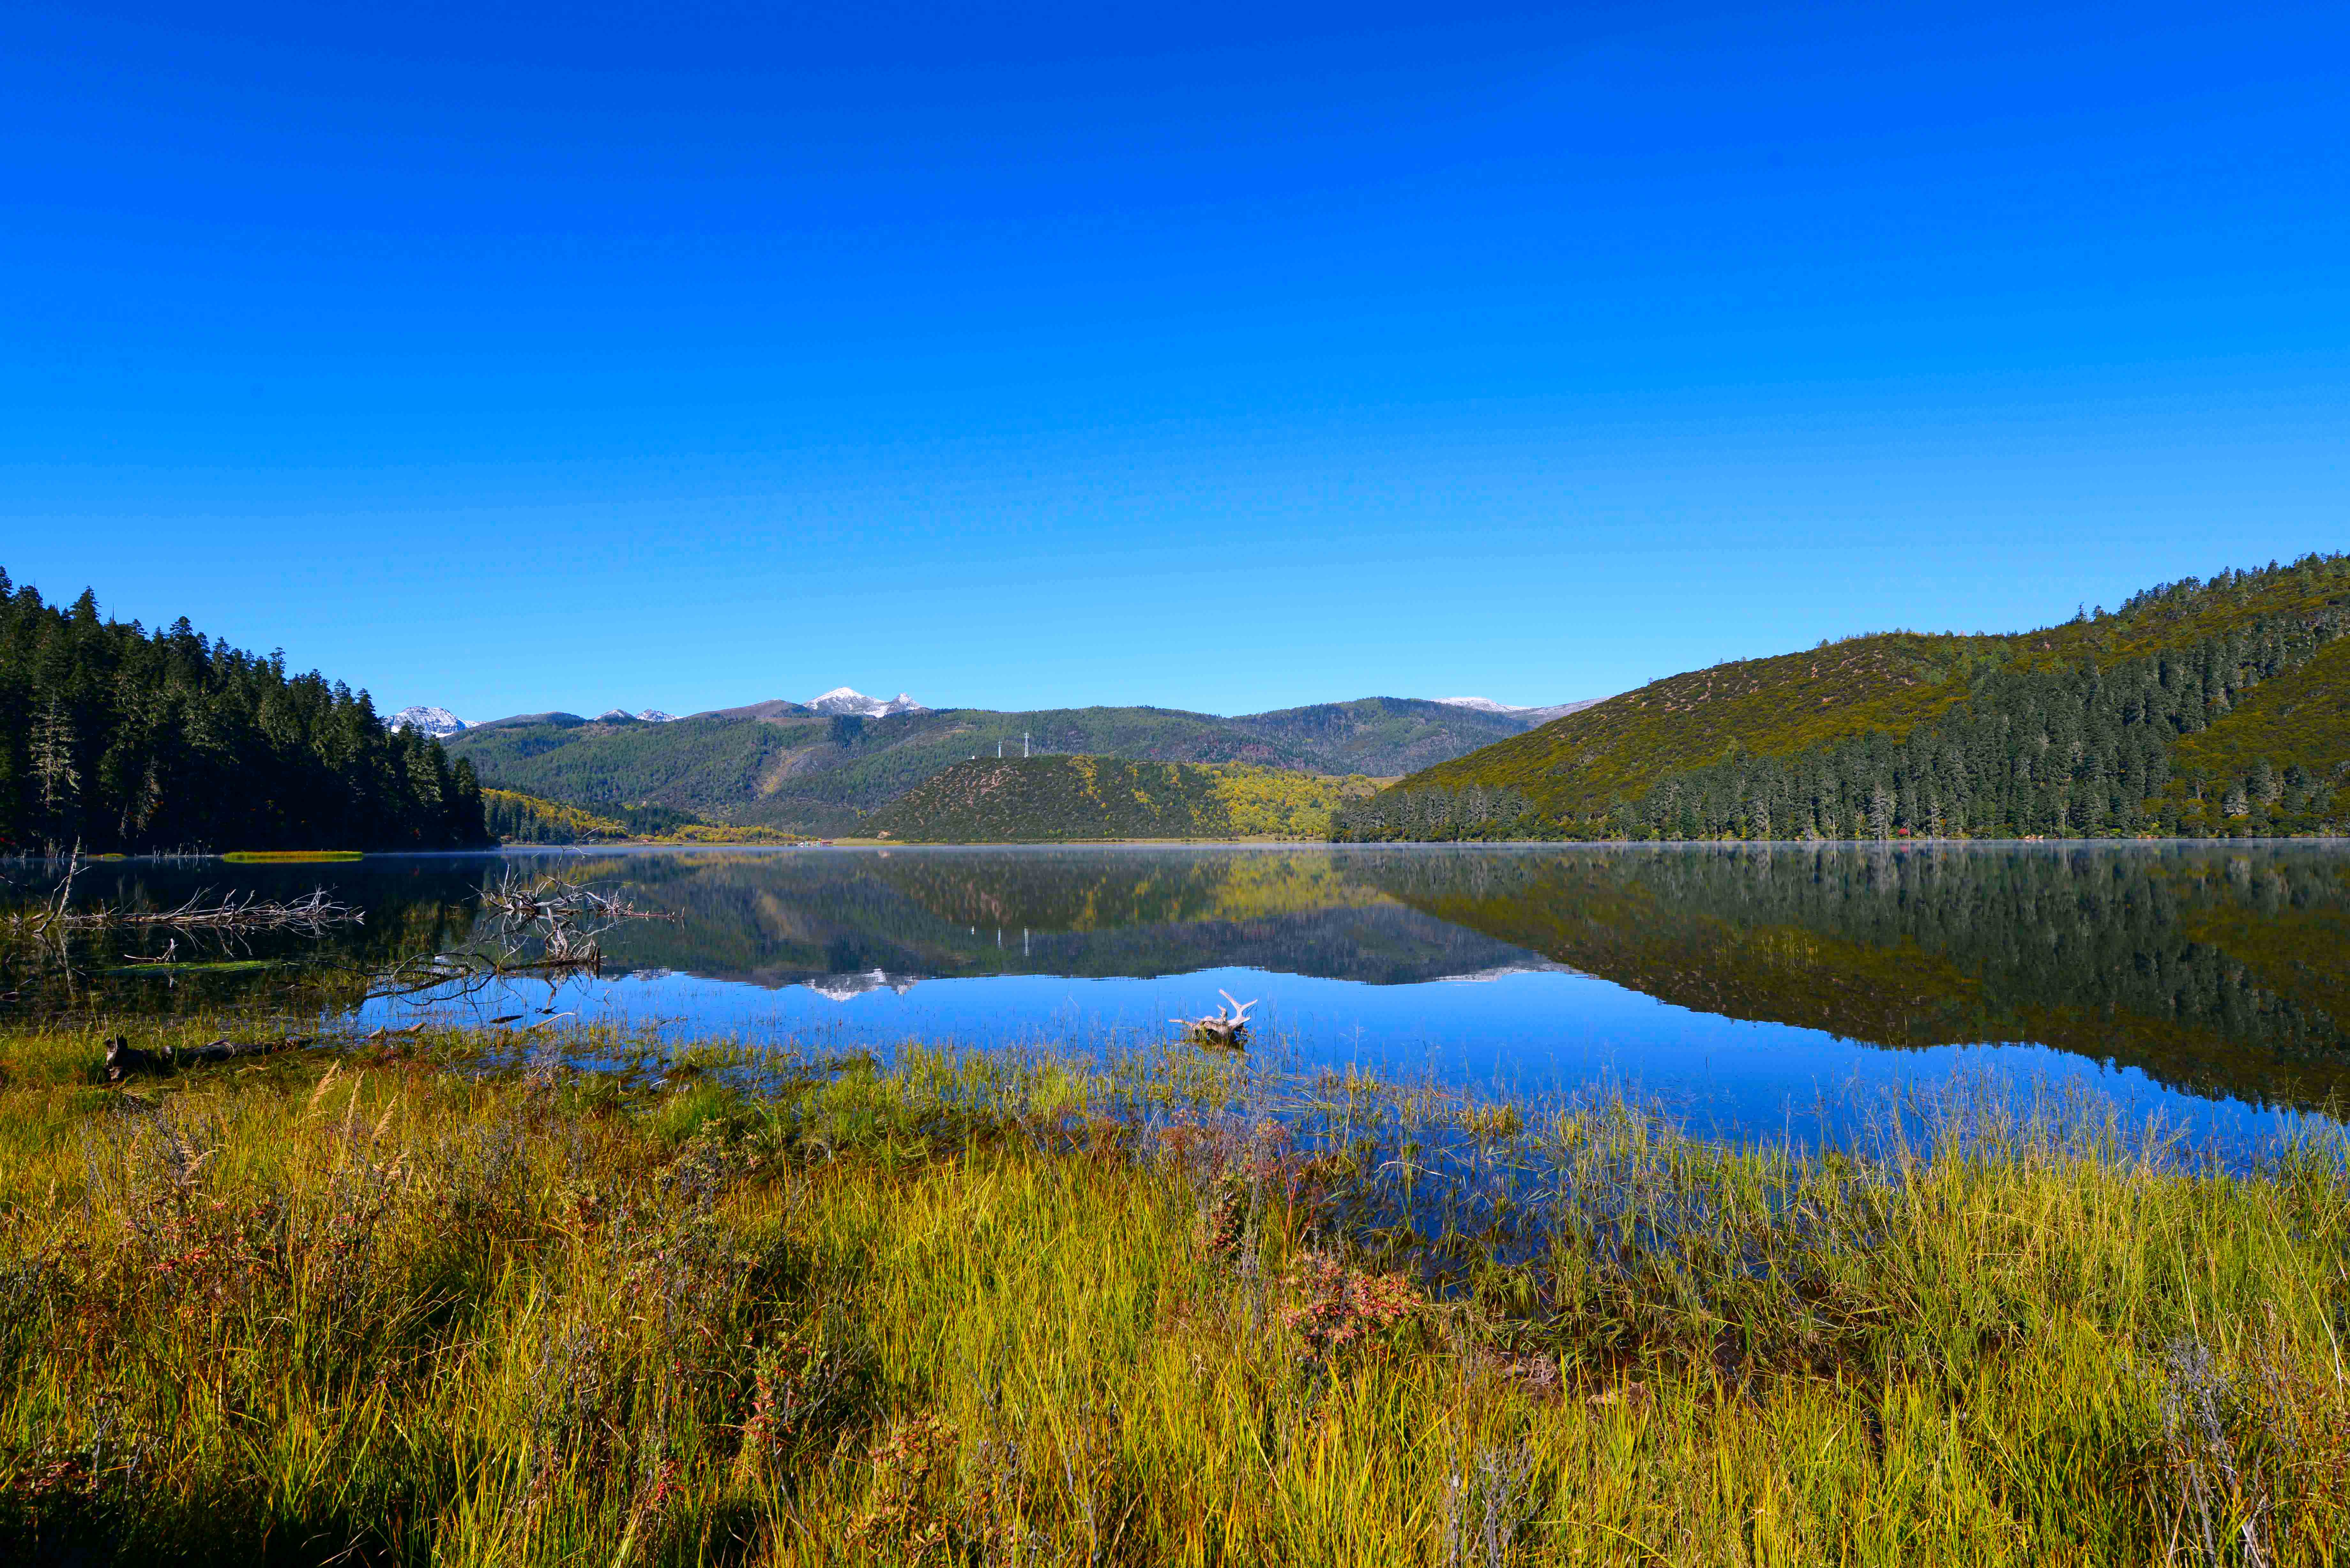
121,740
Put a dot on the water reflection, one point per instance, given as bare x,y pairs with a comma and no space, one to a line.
2214,972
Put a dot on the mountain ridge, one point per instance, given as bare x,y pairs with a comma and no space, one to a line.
1531,715
782,764
1915,735
425,720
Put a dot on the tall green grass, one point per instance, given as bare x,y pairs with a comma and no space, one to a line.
406,1304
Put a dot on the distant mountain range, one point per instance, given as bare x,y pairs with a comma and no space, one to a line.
427,721
819,767
1531,715
848,700
440,723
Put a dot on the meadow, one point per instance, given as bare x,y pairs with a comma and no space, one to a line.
502,1297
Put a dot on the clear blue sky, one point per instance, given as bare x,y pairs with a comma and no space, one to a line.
512,356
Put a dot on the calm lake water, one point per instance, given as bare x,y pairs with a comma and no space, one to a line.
1751,991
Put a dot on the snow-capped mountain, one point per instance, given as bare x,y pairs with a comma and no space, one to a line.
655,716
435,722
622,716
848,700
849,987
1531,715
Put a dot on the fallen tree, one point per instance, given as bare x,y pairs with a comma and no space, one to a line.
124,1060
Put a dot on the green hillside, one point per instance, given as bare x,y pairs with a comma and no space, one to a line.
2298,725
1036,800
2155,717
527,819
780,766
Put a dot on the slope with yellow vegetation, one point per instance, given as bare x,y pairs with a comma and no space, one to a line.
2238,667
989,800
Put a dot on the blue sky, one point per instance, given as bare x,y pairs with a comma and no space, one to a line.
512,357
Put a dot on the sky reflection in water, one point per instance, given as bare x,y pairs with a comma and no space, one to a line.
1751,991
1750,994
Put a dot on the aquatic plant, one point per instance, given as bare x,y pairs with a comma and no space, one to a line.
415,1299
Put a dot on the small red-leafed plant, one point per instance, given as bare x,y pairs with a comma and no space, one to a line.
1340,1310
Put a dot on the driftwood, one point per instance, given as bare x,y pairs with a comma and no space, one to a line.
124,1060
1226,1030
310,916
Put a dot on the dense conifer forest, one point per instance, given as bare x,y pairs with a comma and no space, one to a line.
122,740
2196,709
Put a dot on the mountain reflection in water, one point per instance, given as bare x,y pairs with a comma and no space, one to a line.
2214,970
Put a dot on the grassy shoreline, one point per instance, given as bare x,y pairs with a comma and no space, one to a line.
466,1298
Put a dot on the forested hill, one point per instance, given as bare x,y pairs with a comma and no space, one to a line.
782,765
2197,708
1036,800
122,740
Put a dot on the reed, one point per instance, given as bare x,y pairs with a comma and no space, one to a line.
489,1298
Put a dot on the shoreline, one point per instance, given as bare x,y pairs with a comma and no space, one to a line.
234,858
442,1295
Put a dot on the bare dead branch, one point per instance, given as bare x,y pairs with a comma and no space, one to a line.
1224,1028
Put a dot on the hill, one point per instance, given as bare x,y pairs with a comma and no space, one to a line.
527,819
1032,800
781,764
2197,707
118,739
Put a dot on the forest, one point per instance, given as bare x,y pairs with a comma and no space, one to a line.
2079,752
2199,708
120,740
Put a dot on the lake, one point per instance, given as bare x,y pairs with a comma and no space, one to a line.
1749,991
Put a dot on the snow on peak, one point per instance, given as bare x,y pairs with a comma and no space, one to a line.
655,716
848,700
1531,715
434,722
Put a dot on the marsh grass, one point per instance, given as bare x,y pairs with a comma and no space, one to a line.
479,1298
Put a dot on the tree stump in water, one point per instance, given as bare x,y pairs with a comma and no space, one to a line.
1226,1030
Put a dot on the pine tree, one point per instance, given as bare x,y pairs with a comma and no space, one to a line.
129,741
52,752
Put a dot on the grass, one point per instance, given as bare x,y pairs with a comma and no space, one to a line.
289,857
616,1302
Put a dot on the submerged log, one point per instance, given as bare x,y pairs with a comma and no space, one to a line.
1226,1029
124,1060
